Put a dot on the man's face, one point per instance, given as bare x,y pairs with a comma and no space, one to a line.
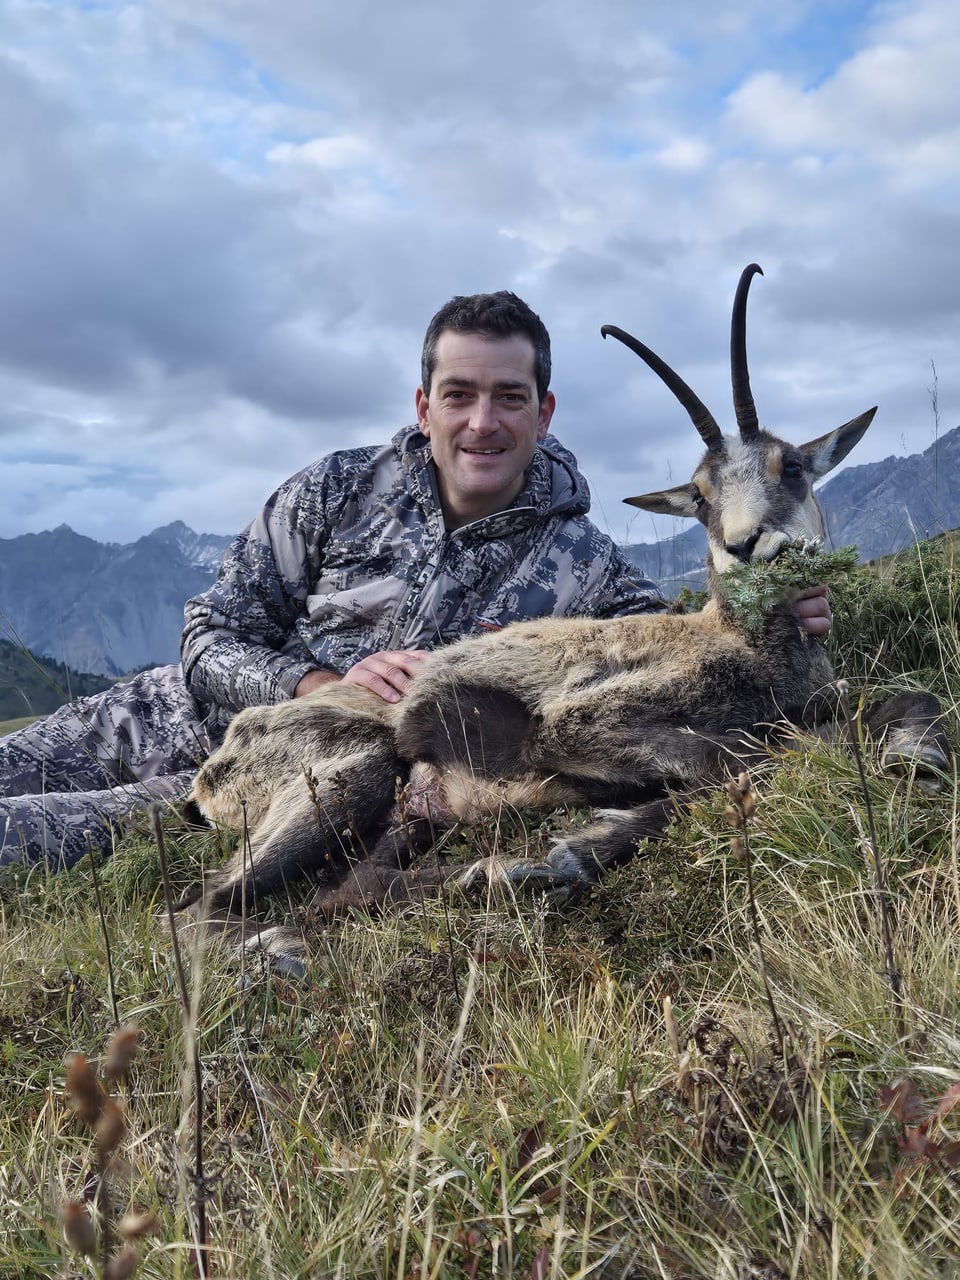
483,421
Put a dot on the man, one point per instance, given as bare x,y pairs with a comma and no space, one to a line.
355,568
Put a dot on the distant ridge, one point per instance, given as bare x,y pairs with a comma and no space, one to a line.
107,608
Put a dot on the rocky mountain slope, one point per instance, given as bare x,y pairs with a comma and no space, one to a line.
105,608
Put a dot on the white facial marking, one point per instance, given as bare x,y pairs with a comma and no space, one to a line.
746,503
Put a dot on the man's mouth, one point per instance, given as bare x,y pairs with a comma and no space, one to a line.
484,453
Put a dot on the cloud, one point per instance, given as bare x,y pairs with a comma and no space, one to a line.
225,226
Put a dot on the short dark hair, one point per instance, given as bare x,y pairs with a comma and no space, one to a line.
498,315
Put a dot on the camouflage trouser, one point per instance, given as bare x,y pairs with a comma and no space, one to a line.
96,760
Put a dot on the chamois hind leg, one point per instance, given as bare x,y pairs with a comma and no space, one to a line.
583,856
909,729
381,879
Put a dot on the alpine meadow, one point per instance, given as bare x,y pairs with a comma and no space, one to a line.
737,1056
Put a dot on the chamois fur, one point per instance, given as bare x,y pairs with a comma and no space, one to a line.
627,713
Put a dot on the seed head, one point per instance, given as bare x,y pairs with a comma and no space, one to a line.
121,1051
78,1229
134,1225
83,1089
111,1127
122,1265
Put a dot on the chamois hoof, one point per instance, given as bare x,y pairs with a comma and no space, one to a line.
494,873
562,869
283,950
929,763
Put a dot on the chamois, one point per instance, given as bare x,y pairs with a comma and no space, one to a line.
625,713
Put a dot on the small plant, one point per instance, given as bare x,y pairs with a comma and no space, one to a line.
91,1227
752,590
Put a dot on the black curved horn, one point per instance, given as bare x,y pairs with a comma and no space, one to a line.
743,405
700,415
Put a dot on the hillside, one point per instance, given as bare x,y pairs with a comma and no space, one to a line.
31,686
733,1059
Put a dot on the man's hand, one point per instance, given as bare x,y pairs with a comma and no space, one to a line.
387,673
813,611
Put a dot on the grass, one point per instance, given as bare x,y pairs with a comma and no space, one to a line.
524,1088
11,726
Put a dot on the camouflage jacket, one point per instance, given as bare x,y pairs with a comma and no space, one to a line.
351,556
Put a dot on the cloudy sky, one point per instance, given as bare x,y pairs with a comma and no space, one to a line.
224,225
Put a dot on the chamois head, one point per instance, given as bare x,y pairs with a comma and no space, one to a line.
753,492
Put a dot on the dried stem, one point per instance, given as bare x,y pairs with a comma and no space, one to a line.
103,926
891,972
201,1207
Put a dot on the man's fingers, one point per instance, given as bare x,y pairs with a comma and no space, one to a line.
813,611
387,674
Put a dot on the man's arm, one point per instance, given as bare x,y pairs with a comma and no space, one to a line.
240,645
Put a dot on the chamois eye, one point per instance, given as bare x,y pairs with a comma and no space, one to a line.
792,469
698,498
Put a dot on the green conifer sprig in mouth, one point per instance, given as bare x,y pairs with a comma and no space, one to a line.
752,590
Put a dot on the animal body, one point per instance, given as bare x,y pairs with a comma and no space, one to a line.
624,714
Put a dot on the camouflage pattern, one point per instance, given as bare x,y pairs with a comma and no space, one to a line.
349,557
96,760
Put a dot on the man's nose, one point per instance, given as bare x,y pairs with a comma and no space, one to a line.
484,417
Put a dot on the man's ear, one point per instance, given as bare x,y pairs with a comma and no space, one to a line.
423,411
547,406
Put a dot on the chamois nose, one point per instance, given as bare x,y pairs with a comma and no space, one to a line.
742,549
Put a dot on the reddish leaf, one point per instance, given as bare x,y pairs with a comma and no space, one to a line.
916,1145
541,1263
902,1101
531,1140
948,1100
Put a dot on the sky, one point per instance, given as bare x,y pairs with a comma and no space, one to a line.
225,224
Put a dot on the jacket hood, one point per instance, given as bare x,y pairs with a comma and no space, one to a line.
554,484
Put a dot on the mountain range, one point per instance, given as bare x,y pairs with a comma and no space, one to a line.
109,609
106,608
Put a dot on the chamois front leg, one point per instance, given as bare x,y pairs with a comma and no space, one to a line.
582,857
687,761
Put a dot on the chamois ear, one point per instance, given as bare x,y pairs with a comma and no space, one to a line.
824,453
681,501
